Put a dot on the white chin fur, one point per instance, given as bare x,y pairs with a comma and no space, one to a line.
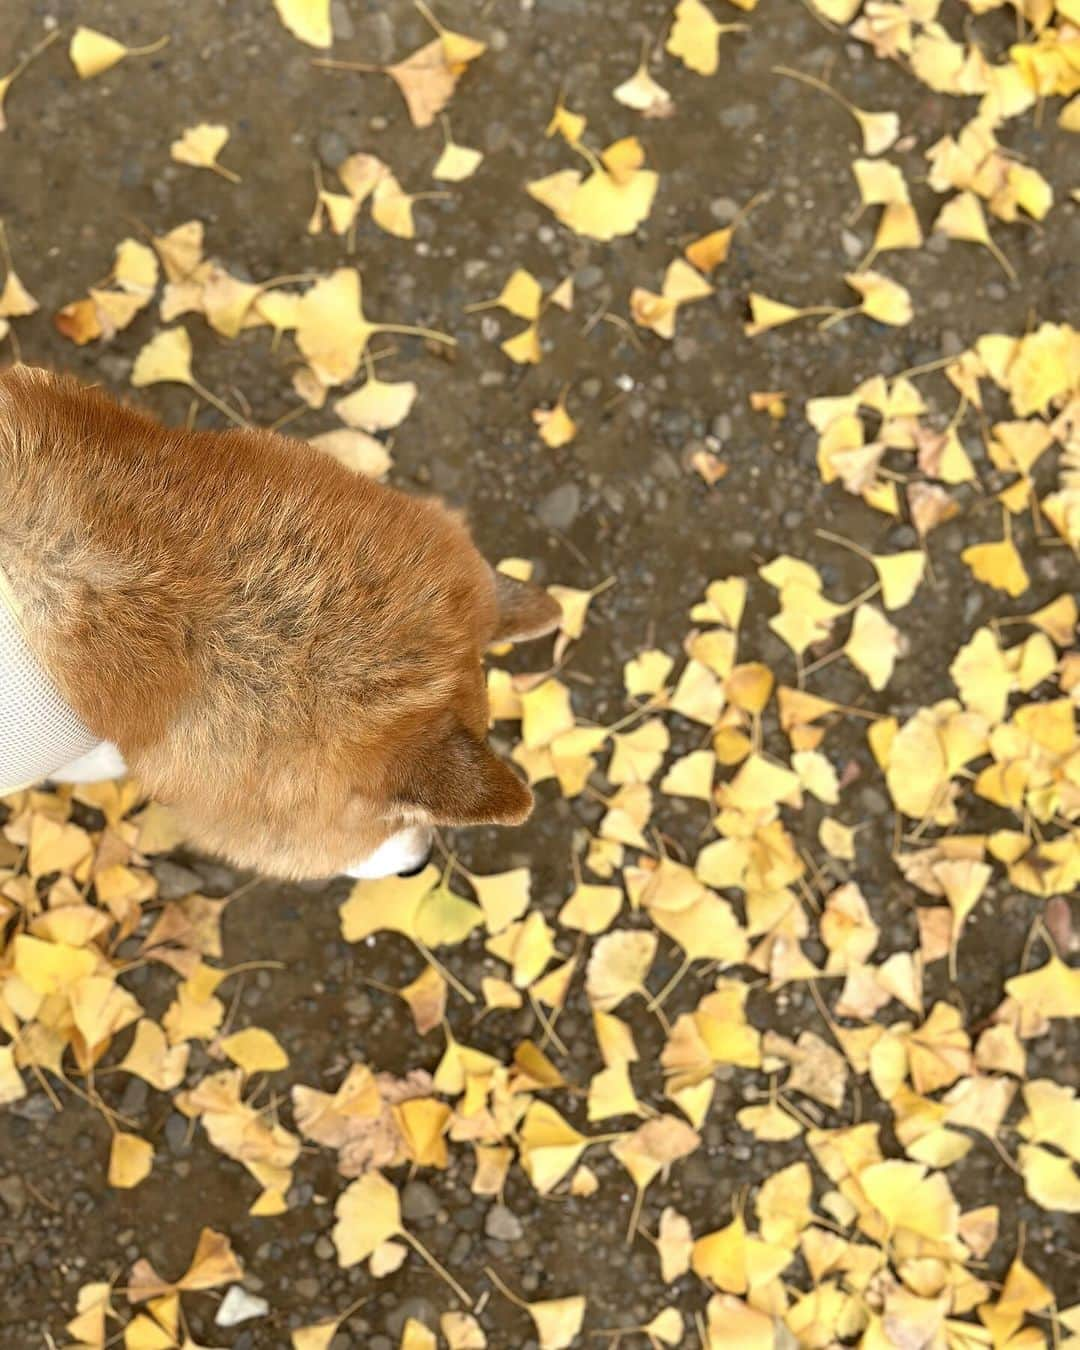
103,762
400,853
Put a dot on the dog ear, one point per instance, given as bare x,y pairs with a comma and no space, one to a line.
525,610
459,780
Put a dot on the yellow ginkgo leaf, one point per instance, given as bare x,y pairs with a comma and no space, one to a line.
15,300
691,776
378,405
213,1264
1051,991
308,20
549,1146
527,946
50,967
604,208
646,674
623,158
1053,1115
503,896
255,1051
759,785
682,284
638,754
339,207
617,967
368,1213
392,208
317,1336
873,645
766,313
653,1147
356,450
151,1058
734,1261
611,1093
92,53
426,997
1050,1180
591,908
12,1087
642,93
710,250
900,575
999,565
427,77
962,218
695,36
558,1321
879,129
145,1333
166,359
546,712
181,250
908,1198
524,347
563,294
555,425
567,124
879,182
698,695
771,1124
423,1123
416,1336
130,1160
817,775
500,993
458,48
457,162
898,228
92,1307
836,839
733,1324
200,146
882,299
522,295
462,1331
574,604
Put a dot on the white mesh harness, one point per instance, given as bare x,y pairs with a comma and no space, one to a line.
39,732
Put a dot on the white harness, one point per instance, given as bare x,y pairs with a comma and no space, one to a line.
40,734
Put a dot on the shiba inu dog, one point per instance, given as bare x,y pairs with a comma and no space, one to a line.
286,652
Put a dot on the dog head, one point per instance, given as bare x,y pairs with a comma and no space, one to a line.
437,767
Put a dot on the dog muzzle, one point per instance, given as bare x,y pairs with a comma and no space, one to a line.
40,732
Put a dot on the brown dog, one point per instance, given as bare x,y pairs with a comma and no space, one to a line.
287,652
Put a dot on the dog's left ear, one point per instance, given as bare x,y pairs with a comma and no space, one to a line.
525,611
459,780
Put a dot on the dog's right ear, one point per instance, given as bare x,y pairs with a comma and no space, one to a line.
525,611
457,779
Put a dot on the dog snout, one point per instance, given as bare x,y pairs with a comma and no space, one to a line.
402,855
417,867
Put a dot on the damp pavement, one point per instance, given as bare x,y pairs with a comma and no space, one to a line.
83,165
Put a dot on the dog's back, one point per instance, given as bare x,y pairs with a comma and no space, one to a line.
234,609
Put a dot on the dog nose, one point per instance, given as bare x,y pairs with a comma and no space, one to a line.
417,868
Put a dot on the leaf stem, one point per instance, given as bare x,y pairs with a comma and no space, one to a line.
217,403
439,1269
151,47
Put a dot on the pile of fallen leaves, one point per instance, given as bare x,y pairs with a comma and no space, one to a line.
863,1240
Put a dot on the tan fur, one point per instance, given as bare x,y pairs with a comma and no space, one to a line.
286,651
